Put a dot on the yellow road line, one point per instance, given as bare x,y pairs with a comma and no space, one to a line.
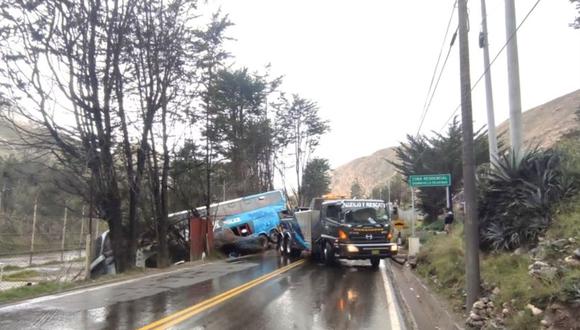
186,313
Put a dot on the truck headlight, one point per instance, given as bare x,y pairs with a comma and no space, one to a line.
351,248
394,248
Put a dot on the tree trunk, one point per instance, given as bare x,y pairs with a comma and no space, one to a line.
163,221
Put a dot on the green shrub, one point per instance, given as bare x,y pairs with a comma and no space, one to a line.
525,321
510,274
517,197
443,256
437,225
571,288
567,222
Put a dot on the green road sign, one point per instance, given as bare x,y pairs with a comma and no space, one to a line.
430,180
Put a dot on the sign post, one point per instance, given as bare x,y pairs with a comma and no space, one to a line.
428,180
413,215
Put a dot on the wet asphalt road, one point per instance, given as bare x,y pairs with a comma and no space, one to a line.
311,296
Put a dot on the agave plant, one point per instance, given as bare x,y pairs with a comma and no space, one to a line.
571,290
517,196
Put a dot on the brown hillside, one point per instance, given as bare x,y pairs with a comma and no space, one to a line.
543,126
371,171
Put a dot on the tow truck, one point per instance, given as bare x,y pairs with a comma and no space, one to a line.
340,229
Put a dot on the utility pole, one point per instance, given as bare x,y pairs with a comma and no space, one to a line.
471,221
82,231
2,195
483,43
513,77
33,230
62,244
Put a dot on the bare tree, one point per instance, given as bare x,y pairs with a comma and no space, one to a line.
302,128
212,56
88,79
61,58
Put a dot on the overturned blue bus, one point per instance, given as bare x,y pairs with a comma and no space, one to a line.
254,215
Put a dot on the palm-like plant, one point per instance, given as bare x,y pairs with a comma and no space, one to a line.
517,196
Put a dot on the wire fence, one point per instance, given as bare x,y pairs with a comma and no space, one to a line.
18,236
53,267
15,244
45,249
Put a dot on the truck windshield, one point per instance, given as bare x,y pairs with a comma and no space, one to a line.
367,215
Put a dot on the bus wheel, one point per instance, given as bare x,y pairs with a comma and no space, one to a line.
264,242
273,237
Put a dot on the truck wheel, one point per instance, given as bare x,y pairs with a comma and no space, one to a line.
295,253
288,246
280,244
375,262
317,252
328,253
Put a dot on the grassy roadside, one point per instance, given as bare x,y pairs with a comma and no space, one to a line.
32,291
53,287
21,275
441,263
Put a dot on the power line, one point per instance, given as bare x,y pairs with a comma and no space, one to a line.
486,69
427,99
437,83
494,59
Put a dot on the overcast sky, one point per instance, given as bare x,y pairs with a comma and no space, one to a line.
368,64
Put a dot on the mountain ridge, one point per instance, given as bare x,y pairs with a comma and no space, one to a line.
543,126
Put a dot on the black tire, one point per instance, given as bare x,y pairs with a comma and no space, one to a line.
280,244
296,253
375,262
288,246
317,252
264,242
328,253
274,236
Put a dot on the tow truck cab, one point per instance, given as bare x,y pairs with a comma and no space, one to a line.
356,229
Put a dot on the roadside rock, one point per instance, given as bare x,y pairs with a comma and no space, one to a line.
561,243
561,316
572,261
543,271
482,315
577,254
545,323
538,265
479,304
475,317
538,253
535,310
